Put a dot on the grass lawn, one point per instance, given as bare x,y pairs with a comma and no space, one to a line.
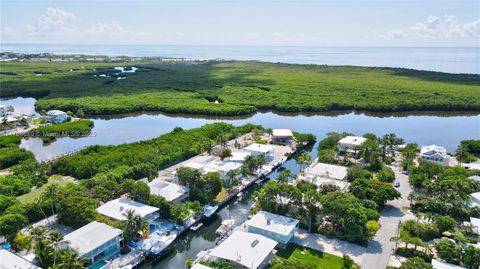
221,195
320,259
36,192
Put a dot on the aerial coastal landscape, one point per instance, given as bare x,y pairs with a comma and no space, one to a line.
201,140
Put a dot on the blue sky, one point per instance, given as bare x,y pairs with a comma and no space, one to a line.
236,22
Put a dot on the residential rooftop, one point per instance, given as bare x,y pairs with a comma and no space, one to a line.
352,140
168,190
222,166
328,171
116,209
436,264
239,156
247,249
432,149
273,223
282,132
9,260
259,148
90,237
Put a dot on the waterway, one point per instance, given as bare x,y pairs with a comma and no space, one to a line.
445,129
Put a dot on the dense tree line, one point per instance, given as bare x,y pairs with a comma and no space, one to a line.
239,88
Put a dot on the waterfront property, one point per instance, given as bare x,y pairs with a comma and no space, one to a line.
322,173
238,156
475,199
276,227
474,178
261,149
96,242
435,154
170,191
351,143
56,116
10,260
222,168
282,136
246,250
118,208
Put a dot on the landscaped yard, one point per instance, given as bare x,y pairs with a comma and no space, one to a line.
35,193
320,259
221,195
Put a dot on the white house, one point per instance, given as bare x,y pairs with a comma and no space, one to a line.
282,136
351,143
474,178
322,173
246,250
170,191
434,154
436,264
276,227
261,149
9,260
475,199
238,156
56,116
475,223
222,168
117,209
96,242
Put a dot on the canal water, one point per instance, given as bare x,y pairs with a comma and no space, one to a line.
445,129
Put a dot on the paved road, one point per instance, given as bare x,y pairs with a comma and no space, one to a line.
380,248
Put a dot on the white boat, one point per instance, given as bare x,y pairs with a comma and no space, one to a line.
209,210
161,244
226,227
240,194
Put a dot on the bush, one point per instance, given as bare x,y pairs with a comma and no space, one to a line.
356,172
410,252
386,174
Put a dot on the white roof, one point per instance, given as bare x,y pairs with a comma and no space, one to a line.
9,260
168,190
436,264
352,140
239,155
282,132
259,148
247,249
475,178
222,166
273,223
194,165
90,236
328,171
475,195
116,209
433,149
475,223
200,266
55,112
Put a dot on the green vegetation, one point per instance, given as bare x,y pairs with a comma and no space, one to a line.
305,258
234,88
49,133
31,196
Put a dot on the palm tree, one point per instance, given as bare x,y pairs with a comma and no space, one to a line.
284,176
38,235
461,154
38,202
232,176
71,260
55,238
141,224
133,224
51,193
260,161
303,159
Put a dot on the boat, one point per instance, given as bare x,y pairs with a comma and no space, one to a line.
240,194
196,227
225,227
159,242
209,210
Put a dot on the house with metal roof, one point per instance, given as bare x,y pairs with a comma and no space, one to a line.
118,208
245,250
261,149
276,227
95,242
282,136
11,260
172,192
351,143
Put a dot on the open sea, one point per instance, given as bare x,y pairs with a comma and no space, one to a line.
450,60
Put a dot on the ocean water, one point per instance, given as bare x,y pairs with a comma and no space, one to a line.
451,60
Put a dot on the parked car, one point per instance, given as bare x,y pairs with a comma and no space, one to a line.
397,184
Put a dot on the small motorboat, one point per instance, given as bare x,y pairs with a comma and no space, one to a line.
225,227
209,210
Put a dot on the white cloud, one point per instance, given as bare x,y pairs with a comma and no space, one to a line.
446,27
52,21
105,27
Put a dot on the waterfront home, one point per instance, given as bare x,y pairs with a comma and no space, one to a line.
261,149
475,199
475,224
238,156
246,250
474,178
118,208
95,242
170,191
436,264
351,143
276,227
322,173
11,260
222,168
5,110
434,154
56,116
282,136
